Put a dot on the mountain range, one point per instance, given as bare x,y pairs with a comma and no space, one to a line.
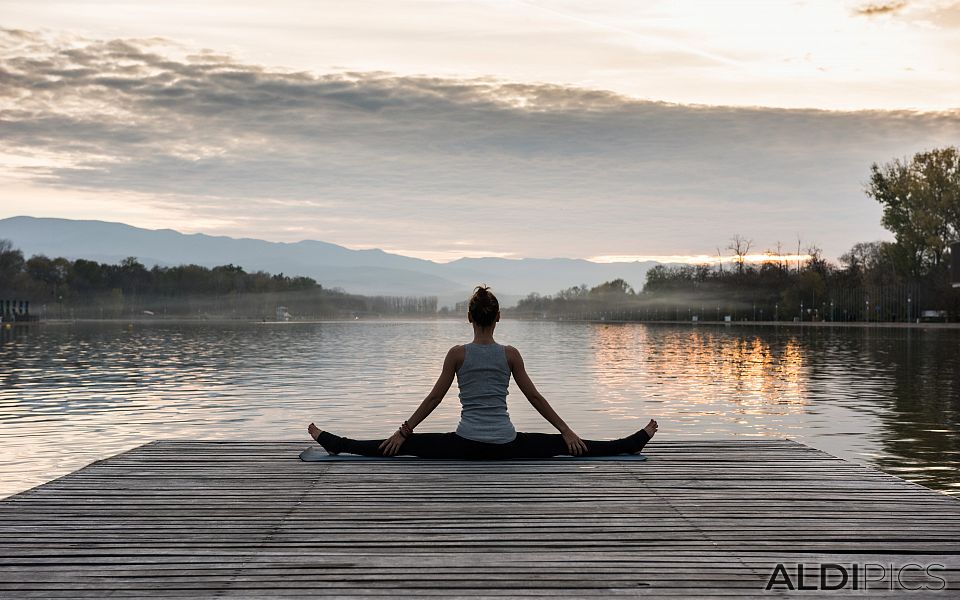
369,272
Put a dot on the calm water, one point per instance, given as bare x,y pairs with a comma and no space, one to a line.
71,394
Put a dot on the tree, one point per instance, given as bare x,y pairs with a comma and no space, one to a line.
874,263
817,262
42,269
85,275
921,203
780,260
806,290
11,264
573,293
799,242
740,247
617,287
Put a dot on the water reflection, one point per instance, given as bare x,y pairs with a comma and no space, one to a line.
702,380
73,394
913,375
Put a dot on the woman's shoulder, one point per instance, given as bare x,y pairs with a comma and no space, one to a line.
455,356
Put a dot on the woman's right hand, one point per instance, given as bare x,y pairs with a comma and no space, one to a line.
390,445
575,445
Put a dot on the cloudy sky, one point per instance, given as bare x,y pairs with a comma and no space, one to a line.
448,129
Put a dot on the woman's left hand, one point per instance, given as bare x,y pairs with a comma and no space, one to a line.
390,445
574,444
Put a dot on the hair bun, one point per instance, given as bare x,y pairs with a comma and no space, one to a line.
483,306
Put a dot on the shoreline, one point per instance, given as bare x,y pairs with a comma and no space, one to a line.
793,324
224,321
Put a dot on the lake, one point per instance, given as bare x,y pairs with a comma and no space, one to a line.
74,393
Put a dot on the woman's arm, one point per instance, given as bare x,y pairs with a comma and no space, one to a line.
574,443
432,401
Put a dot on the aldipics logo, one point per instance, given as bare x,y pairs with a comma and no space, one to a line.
910,577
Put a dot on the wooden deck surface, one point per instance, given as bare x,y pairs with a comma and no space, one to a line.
699,519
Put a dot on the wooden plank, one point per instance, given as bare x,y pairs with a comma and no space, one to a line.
701,518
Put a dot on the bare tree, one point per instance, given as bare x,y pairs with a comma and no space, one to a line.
798,252
817,262
770,257
740,247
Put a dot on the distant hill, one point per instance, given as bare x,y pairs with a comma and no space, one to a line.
368,272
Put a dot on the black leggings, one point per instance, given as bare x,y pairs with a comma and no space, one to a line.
451,445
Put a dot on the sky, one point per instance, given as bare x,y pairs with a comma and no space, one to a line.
601,130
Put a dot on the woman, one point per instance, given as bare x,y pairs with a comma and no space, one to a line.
483,368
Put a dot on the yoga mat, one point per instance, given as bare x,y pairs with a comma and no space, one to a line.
318,454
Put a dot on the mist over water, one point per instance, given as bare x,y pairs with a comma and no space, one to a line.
71,394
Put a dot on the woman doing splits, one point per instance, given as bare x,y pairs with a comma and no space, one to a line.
483,369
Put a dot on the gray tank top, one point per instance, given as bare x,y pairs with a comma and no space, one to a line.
483,379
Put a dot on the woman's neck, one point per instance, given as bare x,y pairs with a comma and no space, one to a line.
483,336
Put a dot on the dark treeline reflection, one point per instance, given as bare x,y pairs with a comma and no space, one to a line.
910,380
63,288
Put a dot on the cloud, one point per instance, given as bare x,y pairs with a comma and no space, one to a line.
374,158
928,14
884,8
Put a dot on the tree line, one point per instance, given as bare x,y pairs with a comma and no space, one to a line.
903,280
64,288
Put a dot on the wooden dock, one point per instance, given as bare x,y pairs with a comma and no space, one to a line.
698,519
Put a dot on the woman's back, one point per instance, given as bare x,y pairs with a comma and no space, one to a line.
483,379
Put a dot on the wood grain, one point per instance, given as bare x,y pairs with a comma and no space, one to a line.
249,519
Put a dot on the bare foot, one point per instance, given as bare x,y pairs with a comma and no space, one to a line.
651,428
333,443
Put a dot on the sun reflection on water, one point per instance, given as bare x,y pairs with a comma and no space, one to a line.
697,375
